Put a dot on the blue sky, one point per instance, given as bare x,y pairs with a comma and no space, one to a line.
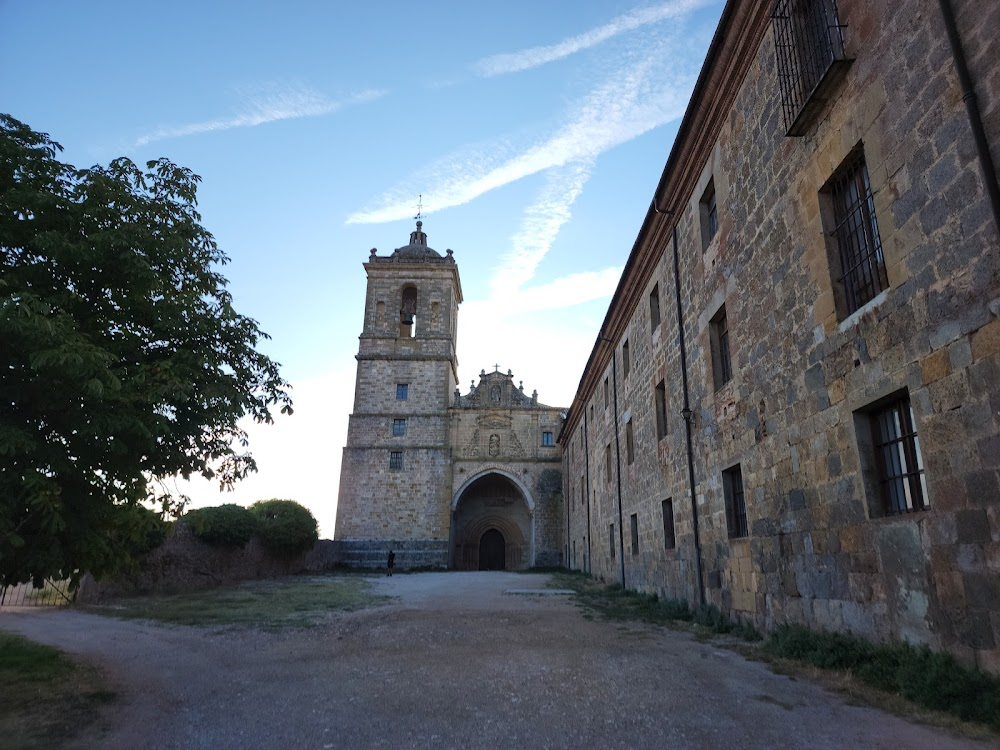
535,131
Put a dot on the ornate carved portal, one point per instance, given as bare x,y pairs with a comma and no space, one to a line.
492,512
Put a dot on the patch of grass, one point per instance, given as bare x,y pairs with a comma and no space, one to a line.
930,679
47,697
616,603
270,605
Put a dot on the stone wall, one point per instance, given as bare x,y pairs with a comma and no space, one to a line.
185,563
794,417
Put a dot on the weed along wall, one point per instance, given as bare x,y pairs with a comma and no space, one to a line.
186,563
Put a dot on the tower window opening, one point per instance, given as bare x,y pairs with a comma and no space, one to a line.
408,313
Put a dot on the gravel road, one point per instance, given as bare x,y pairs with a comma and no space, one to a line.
454,662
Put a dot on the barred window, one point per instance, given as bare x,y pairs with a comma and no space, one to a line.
722,364
669,540
661,410
859,261
736,509
396,460
897,458
809,43
398,427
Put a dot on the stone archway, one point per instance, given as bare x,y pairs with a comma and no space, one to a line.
491,510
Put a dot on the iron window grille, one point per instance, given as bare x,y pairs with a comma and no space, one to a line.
398,427
897,458
396,460
736,509
547,439
809,43
722,363
862,263
402,391
669,540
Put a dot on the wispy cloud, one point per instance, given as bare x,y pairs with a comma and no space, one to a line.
284,103
630,102
513,62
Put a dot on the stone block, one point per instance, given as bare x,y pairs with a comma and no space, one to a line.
972,526
986,341
950,590
935,366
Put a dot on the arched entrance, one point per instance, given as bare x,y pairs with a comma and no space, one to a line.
491,551
491,525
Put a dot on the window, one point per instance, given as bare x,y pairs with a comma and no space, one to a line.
396,460
709,215
736,509
547,439
402,391
583,496
654,308
661,410
398,427
611,540
408,313
898,463
574,554
634,521
856,257
722,366
669,541
629,443
809,43
626,362
606,393
607,461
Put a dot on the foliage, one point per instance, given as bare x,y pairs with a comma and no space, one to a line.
140,531
284,526
928,678
228,524
123,361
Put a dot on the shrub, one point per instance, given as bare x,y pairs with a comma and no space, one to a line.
228,524
284,526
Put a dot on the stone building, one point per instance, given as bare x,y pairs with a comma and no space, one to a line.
792,408
469,482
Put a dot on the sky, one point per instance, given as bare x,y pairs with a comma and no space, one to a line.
535,133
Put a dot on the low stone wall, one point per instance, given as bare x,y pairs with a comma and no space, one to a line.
410,553
185,563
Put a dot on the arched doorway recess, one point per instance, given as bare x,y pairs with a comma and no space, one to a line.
492,525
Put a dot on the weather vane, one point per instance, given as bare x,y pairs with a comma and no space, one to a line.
420,206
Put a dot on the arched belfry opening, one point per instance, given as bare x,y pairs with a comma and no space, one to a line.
492,526
408,312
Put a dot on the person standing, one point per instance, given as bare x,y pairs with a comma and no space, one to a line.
391,563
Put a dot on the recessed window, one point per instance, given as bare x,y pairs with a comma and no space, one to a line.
611,540
607,461
660,399
408,313
736,509
547,439
626,360
892,462
654,308
398,427
709,214
583,495
809,43
669,541
396,460
606,393
722,365
629,443
634,524
402,391
856,259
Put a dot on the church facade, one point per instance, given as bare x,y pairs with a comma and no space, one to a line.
469,482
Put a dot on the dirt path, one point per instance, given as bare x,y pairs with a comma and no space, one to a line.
454,663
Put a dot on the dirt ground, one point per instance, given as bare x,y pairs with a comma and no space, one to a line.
453,662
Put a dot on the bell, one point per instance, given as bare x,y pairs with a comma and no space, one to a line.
407,319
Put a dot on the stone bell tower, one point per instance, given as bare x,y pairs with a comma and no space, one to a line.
396,475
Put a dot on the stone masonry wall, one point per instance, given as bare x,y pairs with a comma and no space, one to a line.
794,417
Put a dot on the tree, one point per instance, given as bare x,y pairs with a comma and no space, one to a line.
122,360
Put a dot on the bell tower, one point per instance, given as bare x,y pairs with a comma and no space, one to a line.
396,474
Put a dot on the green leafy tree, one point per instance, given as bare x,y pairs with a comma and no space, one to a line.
122,360
228,525
284,526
